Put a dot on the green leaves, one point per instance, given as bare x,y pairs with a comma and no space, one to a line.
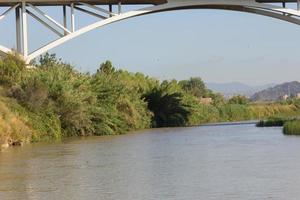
11,69
168,109
119,104
238,99
194,86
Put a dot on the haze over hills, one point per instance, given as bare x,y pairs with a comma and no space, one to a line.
274,93
234,88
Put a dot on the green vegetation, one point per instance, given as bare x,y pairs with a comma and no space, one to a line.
272,122
194,86
54,101
242,100
12,127
292,127
168,109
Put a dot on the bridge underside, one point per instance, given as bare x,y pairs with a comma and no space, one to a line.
108,2
110,11
93,2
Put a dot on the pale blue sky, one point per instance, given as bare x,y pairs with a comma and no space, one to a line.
219,46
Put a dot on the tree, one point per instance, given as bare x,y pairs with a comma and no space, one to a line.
168,109
11,68
106,68
238,99
195,86
48,60
218,98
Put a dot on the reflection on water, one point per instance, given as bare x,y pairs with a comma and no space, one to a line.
211,162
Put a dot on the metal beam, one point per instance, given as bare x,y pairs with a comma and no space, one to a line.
18,30
90,13
24,31
72,18
8,11
251,6
4,50
110,9
98,9
49,18
65,18
119,7
45,24
238,5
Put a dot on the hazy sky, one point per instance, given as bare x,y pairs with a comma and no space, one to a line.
219,46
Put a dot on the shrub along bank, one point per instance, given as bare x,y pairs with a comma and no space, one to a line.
54,100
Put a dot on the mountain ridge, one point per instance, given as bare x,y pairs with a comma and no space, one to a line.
236,88
276,92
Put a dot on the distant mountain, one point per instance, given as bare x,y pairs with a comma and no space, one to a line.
276,92
235,88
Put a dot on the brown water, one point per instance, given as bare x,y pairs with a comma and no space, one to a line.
211,162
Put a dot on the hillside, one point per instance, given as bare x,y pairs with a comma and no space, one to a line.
276,92
235,88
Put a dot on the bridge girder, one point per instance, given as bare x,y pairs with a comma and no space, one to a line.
106,16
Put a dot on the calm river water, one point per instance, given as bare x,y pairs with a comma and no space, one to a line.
208,162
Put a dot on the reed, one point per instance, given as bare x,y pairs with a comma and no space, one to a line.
292,127
272,122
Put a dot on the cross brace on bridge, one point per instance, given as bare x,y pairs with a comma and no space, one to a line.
102,10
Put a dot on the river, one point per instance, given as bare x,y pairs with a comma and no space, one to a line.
207,162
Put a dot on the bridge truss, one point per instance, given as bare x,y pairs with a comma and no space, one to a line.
67,30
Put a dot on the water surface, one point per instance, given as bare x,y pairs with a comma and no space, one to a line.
209,162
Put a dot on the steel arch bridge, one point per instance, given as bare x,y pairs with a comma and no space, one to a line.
110,11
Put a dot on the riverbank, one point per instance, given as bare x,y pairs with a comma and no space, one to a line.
291,126
247,122
54,101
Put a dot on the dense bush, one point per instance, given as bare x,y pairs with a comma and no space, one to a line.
238,99
168,109
292,128
54,100
195,86
11,127
11,69
274,121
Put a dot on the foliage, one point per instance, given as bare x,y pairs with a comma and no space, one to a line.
48,60
234,112
292,127
119,105
12,127
168,109
272,122
238,99
11,69
263,111
194,86
54,100
218,99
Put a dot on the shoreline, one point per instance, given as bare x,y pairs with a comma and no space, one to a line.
246,122
6,145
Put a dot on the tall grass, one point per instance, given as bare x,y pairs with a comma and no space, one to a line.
262,111
12,127
292,127
272,122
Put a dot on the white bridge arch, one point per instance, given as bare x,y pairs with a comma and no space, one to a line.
106,16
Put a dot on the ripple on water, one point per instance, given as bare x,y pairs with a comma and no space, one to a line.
209,162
